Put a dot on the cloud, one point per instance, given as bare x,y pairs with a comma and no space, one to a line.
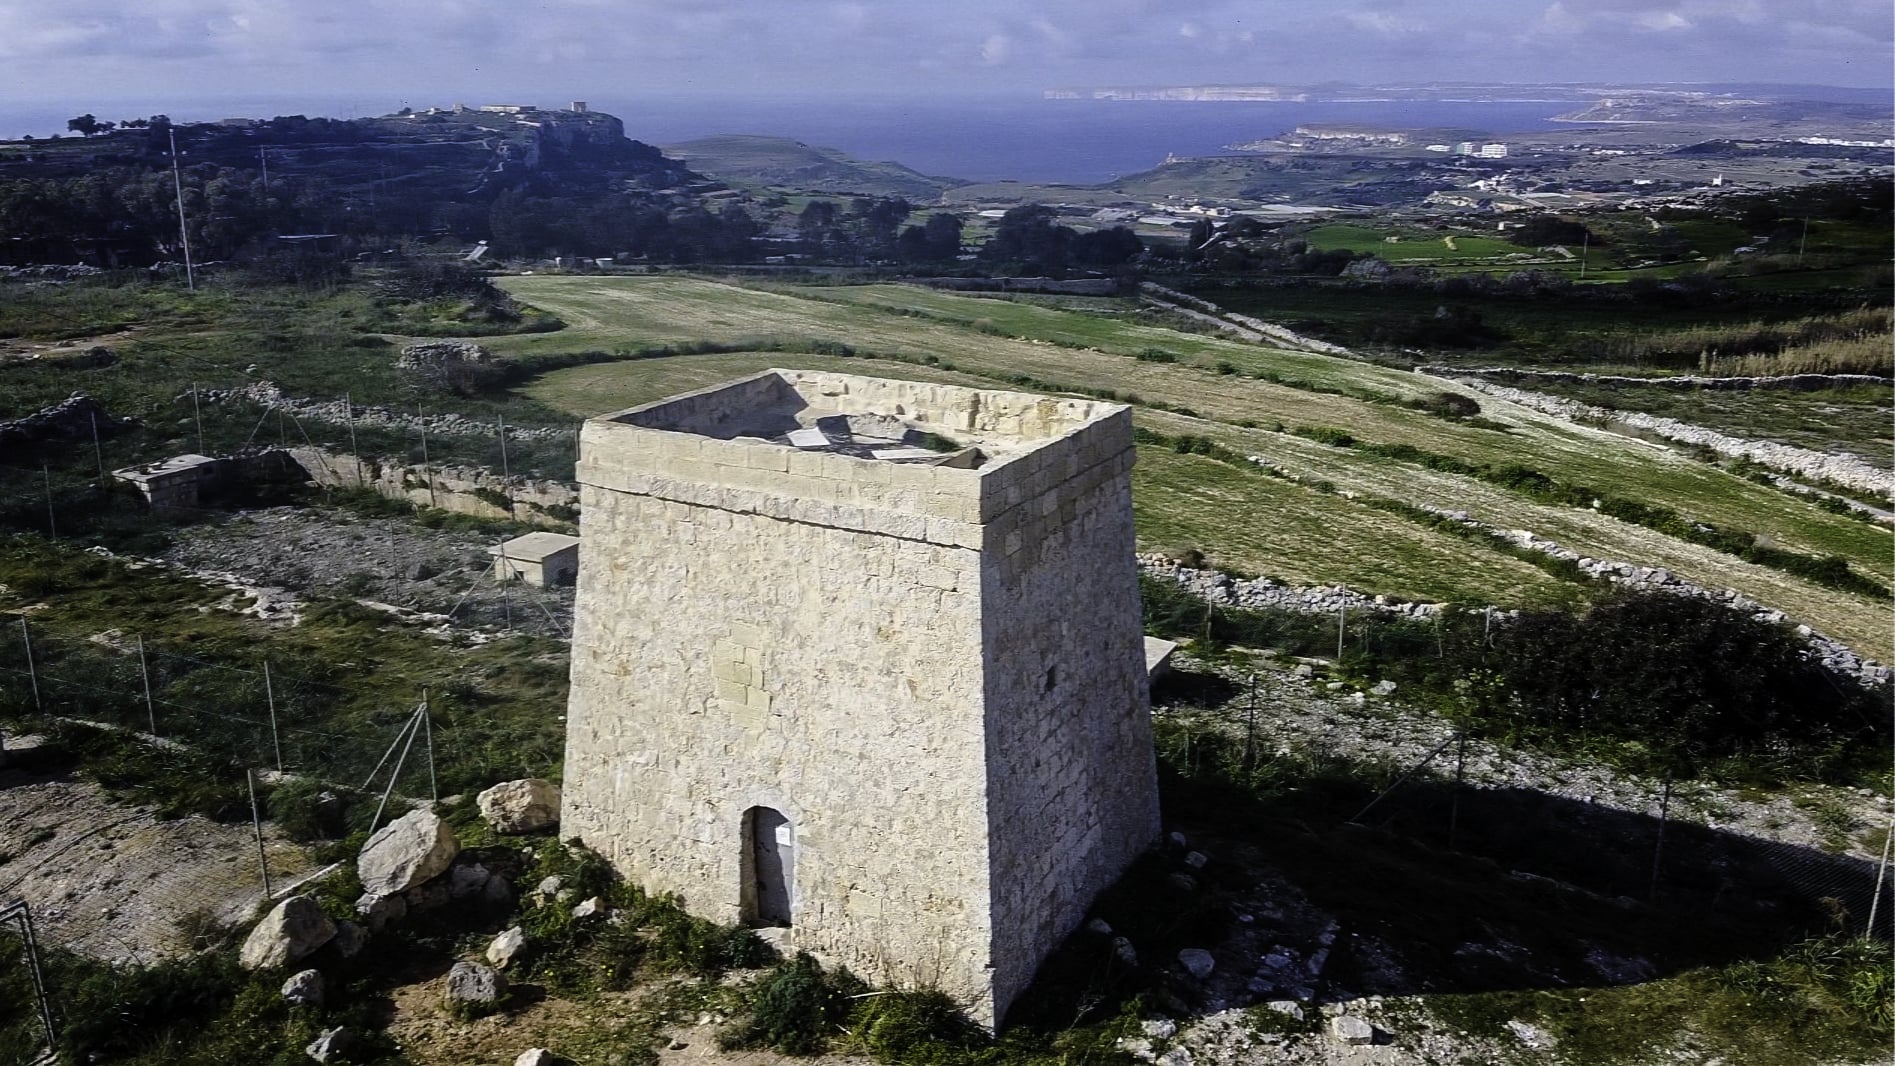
468,47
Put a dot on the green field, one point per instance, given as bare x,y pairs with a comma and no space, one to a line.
1408,245
1238,514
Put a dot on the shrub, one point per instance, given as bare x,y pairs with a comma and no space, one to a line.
794,1008
920,1026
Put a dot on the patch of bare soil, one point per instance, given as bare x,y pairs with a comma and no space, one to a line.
116,882
598,1030
393,561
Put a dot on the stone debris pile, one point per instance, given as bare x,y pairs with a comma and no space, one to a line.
1262,593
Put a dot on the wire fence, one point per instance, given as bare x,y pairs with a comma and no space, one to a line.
264,717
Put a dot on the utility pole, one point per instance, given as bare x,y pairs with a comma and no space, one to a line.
184,236
1585,245
265,161
506,474
197,412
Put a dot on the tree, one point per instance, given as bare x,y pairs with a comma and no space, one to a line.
943,233
1028,235
84,125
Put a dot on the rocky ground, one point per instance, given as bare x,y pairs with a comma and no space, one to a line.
115,881
393,561
1301,712
1295,982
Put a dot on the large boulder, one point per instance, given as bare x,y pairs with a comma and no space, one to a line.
406,852
293,929
521,806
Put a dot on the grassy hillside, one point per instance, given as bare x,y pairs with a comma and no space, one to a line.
741,159
1237,512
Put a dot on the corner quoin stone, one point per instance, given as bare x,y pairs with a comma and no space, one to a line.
900,707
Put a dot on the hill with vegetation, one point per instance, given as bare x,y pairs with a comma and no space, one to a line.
780,162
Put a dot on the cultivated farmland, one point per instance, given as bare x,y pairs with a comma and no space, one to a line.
1251,400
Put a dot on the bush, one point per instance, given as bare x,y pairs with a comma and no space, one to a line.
794,1008
921,1026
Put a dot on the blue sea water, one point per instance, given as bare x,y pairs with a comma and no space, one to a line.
981,138
1076,141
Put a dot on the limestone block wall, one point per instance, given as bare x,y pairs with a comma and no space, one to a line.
736,645
865,647
1072,781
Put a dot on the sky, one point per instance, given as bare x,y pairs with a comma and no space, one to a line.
546,51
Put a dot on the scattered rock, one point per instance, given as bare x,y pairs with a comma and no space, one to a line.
1531,1035
1196,860
506,947
304,989
1182,883
430,894
1160,1028
473,984
1099,926
551,886
1383,688
406,852
497,891
1197,962
589,908
1177,841
537,1056
464,881
349,940
331,1045
521,806
1350,1029
380,910
1123,950
1177,1056
293,929
1286,1006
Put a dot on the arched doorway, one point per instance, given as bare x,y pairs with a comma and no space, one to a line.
769,867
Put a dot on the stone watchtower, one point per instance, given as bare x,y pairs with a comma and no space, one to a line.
862,659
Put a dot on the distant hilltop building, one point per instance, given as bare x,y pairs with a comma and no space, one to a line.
860,661
1479,151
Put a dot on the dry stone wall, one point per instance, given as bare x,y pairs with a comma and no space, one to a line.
1847,470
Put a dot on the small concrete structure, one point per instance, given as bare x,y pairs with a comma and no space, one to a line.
1158,657
539,558
170,484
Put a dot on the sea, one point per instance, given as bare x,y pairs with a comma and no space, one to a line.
975,138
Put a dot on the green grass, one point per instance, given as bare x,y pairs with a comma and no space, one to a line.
1412,245
344,678
1005,341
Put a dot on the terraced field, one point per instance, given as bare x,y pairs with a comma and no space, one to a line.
1239,515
